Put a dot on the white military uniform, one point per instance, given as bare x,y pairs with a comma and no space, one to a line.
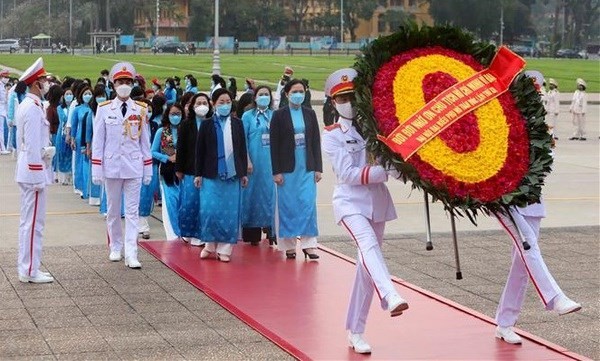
579,109
362,204
552,105
121,157
33,174
526,264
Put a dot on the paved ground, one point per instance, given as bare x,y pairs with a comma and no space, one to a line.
101,310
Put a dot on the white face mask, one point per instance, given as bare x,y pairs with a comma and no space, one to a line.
201,110
123,90
45,88
346,110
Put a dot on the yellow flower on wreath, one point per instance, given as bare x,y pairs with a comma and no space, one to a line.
470,167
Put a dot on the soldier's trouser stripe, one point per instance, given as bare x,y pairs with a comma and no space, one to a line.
32,233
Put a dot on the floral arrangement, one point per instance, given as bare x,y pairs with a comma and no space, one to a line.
167,146
492,157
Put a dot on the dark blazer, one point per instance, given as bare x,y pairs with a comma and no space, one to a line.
283,144
186,147
206,149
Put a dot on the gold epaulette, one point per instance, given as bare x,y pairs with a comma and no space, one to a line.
141,104
104,103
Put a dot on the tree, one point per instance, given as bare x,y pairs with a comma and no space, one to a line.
298,10
395,18
354,11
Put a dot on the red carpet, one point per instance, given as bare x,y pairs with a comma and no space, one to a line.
301,306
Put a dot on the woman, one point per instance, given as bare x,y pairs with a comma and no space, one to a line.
164,148
191,84
297,166
79,123
258,199
63,150
98,97
185,167
54,95
147,191
170,93
221,167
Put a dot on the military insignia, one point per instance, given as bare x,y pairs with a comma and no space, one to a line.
344,78
104,103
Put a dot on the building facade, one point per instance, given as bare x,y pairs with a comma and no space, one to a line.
173,19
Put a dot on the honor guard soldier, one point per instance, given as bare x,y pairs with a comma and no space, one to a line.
33,173
121,159
362,204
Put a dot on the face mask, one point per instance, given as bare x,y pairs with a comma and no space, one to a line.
86,98
201,110
346,110
263,101
224,109
164,107
69,98
167,86
100,100
123,90
149,115
174,119
296,98
136,84
154,87
45,88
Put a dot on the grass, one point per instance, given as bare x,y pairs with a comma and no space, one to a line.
266,69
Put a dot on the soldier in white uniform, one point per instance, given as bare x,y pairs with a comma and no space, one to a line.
33,173
578,109
527,264
362,204
121,159
552,105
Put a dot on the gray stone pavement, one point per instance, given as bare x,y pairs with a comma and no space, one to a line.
101,310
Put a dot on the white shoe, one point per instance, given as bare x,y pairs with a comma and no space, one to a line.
358,343
396,304
41,277
204,254
508,335
564,305
196,242
47,274
133,263
114,256
5,152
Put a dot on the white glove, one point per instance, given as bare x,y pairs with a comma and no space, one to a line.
39,186
147,179
97,180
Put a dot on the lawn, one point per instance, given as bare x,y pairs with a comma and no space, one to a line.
266,69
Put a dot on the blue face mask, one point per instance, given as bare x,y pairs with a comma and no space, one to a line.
296,98
86,98
100,100
69,98
263,101
175,119
224,109
149,115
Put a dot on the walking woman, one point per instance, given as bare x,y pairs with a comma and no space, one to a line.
297,166
78,130
258,199
185,167
54,95
63,150
147,191
164,148
221,167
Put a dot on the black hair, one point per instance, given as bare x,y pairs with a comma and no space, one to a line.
192,112
54,94
193,81
171,82
218,80
104,72
291,83
217,93
158,101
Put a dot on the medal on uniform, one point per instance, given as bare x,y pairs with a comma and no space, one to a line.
133,126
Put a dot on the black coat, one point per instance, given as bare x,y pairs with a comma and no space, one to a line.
206,149
283,143
186,147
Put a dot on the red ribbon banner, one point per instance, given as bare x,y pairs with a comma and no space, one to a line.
453,103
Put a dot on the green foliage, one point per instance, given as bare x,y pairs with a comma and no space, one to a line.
528,101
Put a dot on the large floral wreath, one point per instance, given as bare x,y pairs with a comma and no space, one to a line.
493,157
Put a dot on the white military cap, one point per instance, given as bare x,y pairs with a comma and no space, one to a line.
340,82
537,77
580,81
553,82
123,70
34,72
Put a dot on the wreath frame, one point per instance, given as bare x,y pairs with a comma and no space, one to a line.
522,89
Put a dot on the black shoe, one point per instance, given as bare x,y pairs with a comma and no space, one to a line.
573,138
272,241
310,255
583,138
290,255
555,138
